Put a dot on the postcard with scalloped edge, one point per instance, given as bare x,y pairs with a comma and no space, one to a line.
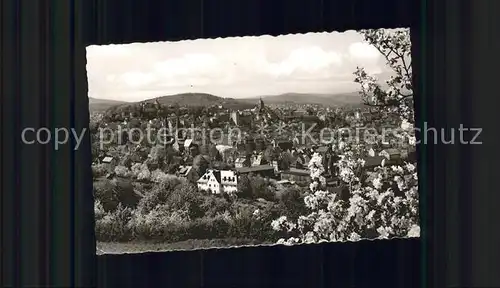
230,142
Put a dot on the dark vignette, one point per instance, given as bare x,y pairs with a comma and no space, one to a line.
47,216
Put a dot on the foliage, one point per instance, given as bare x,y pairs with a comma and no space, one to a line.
157,156
254,187
122,171
99,170
385,207
158,195
159,176
291,201
244,186
113,226
398,97
182,216
383,203
185,197
106,194
285,161
141,171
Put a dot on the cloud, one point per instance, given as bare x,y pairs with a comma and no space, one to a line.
205,65
307,62
314,62
136,79
365,55
189,70
196,69
362,50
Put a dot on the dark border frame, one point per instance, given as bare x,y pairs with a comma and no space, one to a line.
47,216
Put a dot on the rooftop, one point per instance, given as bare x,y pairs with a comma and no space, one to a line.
392,151
107,159
207,175
296,171
184,169
374,161
254,168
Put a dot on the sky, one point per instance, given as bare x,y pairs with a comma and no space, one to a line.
235,67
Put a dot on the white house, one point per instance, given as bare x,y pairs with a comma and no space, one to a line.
257,160
217,182
210,181
229,181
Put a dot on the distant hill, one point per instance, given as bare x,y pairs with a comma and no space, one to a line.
203,99
206,100
100,105
344,99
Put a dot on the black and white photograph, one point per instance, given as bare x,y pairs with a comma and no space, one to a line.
244,141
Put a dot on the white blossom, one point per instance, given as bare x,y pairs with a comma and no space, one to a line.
330,218
371,152
414,231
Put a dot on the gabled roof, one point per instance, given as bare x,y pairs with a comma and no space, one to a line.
209,174
254,168
184,170
240,160
216,174
257,161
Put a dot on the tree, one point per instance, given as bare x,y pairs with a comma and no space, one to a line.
158,153
385,204
398,97
285,161
172,168
96,149
373,210
244,187
156,158
170,155
269,154
200,164
214,153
